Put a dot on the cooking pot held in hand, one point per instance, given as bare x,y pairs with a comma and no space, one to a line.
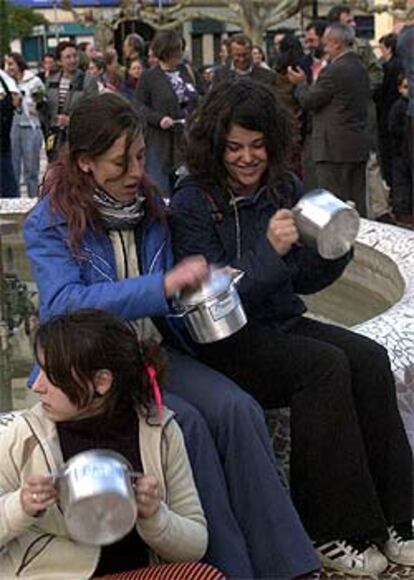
97,498
327,223
213,311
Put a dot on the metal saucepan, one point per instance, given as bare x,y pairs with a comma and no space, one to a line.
327,223
214,310
97,497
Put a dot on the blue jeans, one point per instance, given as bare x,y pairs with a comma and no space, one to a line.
276,541
227,548
26,145
8,183
154,168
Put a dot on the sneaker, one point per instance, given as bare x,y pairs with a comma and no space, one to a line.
354,559
399,548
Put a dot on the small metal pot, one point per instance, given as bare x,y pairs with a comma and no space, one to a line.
327,223
97,498
213,311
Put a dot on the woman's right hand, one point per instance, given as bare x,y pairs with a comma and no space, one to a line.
166,123
37,494
190,272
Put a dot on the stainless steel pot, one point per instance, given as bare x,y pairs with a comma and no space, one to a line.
327,223
97,498
213,311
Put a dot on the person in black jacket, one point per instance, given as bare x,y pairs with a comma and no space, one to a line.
401,148
10,99
351,463
384,97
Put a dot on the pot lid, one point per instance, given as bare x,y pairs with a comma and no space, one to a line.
216,284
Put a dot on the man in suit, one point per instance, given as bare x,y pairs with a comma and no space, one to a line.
312,63
343,14
241,63
339,102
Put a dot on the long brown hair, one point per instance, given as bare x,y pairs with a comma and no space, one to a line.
94,126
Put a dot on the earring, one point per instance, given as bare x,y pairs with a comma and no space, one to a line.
86,169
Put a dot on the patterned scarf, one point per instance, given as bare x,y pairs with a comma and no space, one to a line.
118,215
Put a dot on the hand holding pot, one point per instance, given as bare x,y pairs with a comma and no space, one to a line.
148,497
37,494
189,273
282,232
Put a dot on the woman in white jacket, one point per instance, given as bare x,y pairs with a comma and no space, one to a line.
96,394
26,133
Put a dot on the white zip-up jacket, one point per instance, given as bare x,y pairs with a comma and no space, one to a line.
40,548
29,85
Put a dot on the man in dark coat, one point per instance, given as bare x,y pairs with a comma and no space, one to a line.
339,102
241,63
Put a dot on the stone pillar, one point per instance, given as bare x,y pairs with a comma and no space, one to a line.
208,48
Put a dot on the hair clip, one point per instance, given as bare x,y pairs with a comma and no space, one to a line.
152,375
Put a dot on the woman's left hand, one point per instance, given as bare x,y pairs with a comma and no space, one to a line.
148,496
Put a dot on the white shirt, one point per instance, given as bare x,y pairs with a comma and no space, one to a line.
10,83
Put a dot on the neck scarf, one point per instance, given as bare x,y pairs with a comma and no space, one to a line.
118,215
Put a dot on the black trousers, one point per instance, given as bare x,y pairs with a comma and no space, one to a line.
351,462
402,185
346,180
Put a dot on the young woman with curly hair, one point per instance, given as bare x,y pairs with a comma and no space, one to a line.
351,463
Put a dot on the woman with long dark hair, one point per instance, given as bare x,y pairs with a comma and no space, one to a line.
95,394
98,238
351,463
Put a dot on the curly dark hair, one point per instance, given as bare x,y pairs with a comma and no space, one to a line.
290,53
72,348
249,104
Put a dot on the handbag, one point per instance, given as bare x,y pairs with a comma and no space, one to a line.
55,139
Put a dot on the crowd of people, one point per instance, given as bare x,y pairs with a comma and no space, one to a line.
156,173
353,137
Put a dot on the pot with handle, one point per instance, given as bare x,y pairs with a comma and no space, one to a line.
213,311
97,497
327,223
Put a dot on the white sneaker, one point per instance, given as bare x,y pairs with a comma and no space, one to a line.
342,556
399,548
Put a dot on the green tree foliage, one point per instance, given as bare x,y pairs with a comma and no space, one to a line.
16,22
22,20
4,28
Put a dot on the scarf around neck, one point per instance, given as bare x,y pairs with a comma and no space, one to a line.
118,215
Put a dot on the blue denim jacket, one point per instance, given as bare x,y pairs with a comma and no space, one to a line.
88,279
67,281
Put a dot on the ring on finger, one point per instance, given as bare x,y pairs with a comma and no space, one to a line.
35,496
